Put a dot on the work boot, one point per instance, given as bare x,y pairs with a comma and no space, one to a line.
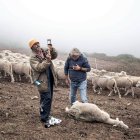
43,120
47,124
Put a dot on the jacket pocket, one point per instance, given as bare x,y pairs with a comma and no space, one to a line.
43,87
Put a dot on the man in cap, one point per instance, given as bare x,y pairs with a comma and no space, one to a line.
44,77
75,69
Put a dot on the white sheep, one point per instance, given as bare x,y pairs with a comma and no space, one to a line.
126,83
23,68
103,82
6,66
91,112
135,80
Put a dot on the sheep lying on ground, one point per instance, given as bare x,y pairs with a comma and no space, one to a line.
90,112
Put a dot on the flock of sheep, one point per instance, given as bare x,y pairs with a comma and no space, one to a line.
16,64
102,79
114,82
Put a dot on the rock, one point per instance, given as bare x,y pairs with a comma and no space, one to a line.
2,132
34,97
7,114
128,104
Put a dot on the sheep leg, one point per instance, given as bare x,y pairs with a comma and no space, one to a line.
115,90
115,86
31,80
116,122
118,92
94,88
19,78
0,75
128,91
110,93
99,92
132,91
12,78
30,77
125,89
5,74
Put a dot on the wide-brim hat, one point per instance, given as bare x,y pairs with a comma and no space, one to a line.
32,42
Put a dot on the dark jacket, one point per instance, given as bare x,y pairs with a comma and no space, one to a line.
74,75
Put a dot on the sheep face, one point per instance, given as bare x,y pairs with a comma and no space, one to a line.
138,84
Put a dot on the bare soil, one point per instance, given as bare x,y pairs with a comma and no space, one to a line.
19,115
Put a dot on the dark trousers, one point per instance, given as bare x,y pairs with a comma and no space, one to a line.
46,98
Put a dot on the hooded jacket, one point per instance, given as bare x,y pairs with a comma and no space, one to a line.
74,75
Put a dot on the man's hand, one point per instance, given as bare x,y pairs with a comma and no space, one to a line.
77,67
67,80
50,47
48,57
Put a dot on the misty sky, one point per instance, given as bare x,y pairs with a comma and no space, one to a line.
102,26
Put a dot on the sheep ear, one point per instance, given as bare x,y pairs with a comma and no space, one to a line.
76,102
117,119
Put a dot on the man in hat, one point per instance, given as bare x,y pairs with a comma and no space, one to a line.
75,69
44,77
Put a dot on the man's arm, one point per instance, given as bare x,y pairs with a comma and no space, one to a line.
85,67
53,53
66,69
37,66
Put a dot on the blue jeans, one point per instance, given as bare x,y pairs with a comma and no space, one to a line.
82,86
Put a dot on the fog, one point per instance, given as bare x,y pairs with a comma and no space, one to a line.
102,26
